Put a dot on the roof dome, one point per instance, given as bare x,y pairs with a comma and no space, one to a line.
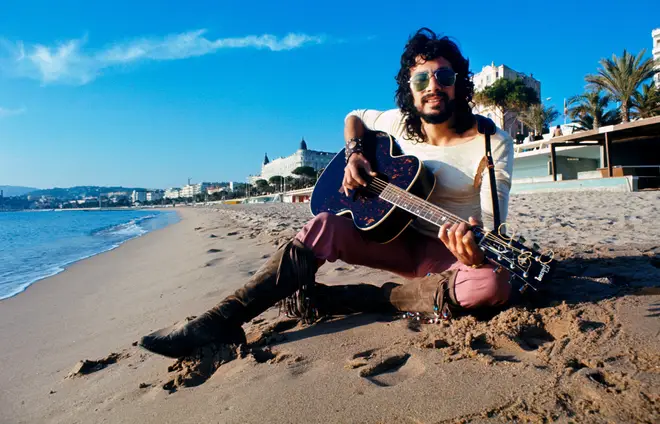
303,145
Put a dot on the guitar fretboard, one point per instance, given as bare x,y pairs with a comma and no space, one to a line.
418,206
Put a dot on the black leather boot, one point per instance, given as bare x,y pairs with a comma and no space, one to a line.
430,294
290,269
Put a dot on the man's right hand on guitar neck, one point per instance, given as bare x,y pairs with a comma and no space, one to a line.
352,177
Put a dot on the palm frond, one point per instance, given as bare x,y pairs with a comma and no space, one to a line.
621,77
647,102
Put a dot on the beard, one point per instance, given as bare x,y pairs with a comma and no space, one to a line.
439,116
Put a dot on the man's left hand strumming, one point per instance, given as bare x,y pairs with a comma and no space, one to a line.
461,243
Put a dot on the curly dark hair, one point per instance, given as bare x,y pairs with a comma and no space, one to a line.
427,45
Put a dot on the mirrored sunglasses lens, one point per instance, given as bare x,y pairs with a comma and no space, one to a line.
445,77
420,81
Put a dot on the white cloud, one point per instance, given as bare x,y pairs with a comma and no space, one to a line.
69,63
10,112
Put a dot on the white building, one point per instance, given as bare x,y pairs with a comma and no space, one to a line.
216,189
284,166
488,75
190,190
656,54
172,193
138,196
154,196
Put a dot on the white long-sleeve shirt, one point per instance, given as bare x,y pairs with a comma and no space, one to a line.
455,168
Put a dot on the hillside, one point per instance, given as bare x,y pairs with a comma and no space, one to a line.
79,191
10,191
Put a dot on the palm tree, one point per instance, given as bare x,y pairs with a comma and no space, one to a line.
621,77
538,117
646,103
589,110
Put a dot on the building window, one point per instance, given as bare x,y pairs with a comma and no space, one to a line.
497,74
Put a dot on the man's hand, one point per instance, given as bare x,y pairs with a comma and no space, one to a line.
460,242
352,177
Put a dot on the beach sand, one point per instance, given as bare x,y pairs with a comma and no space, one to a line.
586,348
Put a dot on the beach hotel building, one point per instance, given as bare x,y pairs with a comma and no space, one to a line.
487,76
284,166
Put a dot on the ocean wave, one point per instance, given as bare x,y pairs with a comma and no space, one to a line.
130,228
9,288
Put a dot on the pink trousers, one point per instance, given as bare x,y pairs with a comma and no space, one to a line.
410,255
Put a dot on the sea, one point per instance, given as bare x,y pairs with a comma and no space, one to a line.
39,244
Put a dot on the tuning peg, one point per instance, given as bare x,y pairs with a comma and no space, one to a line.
521,240
536,246
523,289
497,269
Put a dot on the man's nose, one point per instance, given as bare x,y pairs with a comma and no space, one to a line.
433,85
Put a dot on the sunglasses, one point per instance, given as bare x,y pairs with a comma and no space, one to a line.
444,76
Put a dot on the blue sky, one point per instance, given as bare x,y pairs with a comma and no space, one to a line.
149,93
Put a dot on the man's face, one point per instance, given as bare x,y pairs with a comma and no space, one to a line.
434,103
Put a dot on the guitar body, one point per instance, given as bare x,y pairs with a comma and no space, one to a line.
380,220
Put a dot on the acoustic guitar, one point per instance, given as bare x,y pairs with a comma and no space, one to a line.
397,195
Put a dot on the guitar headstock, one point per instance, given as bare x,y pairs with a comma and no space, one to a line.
530,265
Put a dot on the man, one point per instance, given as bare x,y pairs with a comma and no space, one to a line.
558,132
448,271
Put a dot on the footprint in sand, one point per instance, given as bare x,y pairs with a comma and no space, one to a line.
386,369
214,251
88,366
213,262
195,369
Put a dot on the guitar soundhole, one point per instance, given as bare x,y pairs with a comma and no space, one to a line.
375,186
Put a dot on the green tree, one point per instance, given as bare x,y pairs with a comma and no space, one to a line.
261,186
538,117
307,175
646,102
291,182
589,110
621,77
276,181
307,171
507,96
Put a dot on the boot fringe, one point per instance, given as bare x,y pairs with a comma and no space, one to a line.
302,270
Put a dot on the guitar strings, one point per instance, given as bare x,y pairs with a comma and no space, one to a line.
383,185
452,218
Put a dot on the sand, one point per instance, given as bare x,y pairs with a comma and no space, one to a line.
586,348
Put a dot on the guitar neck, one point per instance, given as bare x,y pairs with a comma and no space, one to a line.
417,206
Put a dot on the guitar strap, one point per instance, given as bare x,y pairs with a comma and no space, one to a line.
487,127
